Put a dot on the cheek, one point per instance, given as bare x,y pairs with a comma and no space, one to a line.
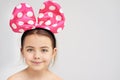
28,57
48,58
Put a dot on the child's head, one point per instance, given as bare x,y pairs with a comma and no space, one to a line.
39,31
38,47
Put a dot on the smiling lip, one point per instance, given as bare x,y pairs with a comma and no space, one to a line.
35,62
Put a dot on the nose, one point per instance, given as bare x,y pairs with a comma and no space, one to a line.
37,55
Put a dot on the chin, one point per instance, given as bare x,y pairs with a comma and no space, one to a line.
35,69
38,67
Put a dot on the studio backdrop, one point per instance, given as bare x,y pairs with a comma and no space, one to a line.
88,47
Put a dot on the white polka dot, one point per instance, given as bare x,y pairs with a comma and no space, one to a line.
52,8
47,28
19,6
60,11
40,15
20,23
29,13
21,30
12,17
27,5
59,29
20,14
58,18
42,7
50,14
48,22
14,26
40,23
30,22
54,25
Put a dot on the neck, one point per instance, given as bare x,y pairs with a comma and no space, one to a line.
37,73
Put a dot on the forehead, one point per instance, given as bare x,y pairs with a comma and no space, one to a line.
37,41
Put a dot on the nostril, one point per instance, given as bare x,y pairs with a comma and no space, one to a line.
37,58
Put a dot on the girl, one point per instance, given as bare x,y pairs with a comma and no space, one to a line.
38,47
38,43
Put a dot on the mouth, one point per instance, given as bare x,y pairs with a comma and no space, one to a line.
36,62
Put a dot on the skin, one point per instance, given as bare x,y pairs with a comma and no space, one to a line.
38,53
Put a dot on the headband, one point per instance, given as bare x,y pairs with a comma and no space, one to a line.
50,17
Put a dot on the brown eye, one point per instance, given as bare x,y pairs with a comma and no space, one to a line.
44,50
30,50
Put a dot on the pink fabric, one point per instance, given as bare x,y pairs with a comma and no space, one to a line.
50,17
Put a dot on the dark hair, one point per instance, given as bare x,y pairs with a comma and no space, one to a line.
39,31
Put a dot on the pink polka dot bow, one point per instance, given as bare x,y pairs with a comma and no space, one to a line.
50,17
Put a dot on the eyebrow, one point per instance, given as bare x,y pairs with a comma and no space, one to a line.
44,47
29,47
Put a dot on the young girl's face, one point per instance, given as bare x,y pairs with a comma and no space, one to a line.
38,51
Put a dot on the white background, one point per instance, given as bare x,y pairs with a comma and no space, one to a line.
88,47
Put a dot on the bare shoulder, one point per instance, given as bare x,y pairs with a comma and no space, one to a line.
56,77
16,76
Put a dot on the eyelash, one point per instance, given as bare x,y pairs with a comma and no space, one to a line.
44,50
29,50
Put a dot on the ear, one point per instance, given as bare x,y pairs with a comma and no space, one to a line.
54,55
54,52
21,50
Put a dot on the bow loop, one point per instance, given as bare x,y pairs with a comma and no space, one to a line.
22,18
51,17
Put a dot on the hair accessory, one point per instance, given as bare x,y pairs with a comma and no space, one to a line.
50,17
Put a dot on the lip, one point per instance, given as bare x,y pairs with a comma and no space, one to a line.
36,62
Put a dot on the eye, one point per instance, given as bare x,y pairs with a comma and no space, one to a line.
30,50
44,50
